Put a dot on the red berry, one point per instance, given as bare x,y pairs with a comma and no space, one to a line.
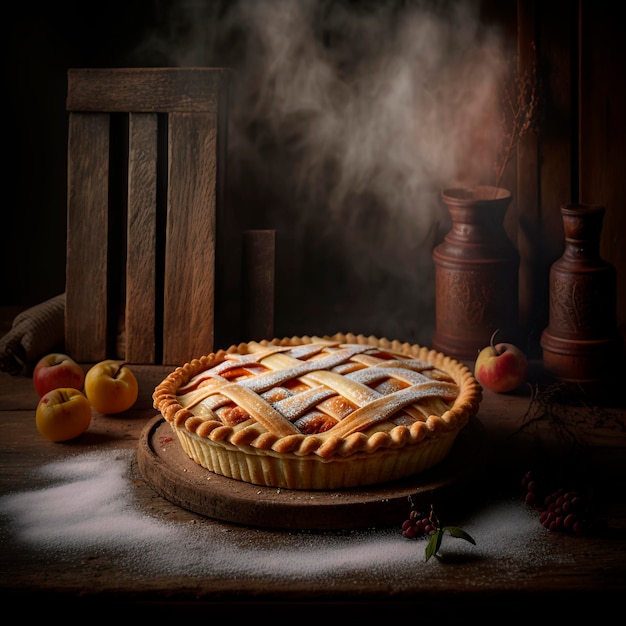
410,532
569,521
531,498
560,510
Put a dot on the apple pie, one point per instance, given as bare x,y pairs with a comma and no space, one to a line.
319,413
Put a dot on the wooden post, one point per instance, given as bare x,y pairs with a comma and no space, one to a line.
258,281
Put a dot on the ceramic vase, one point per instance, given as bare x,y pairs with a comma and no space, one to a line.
581,343
476,273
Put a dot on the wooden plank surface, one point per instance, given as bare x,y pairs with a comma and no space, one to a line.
87,237
141,256
148,90
569,573
189,281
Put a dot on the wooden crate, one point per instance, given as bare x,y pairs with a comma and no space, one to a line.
146,172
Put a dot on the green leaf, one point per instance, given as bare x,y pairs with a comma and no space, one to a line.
459,533
434,544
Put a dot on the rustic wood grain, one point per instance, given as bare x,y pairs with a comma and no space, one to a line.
189,282
141,263
86,323
582,571
149,263
602,129
545,157
527,192
168,469
258,279
558,137
145,90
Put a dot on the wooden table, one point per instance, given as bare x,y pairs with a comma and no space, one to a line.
257,571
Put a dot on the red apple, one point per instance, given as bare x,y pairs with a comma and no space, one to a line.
55,371
501,367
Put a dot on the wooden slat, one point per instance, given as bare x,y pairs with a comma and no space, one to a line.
142,239
87,233
189,282
544,166
258,279
161,268
602,129
148,90
558,143
527,192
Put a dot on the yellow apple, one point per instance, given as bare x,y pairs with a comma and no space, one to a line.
111,387
501,367
57,370
63,414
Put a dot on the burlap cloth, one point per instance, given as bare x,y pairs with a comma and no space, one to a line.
34,333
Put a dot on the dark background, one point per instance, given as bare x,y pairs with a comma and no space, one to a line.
364,271
41,42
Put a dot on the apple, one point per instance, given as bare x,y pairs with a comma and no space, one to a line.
55,371
63,414
501,367
111,387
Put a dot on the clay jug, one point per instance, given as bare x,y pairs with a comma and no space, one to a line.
476,273
581,343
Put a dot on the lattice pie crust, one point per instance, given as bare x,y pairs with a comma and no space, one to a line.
319,412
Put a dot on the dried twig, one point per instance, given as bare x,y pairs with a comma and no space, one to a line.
565,412
521,108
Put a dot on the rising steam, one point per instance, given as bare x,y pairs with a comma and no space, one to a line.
347,120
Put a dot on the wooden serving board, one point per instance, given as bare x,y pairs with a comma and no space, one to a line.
173,475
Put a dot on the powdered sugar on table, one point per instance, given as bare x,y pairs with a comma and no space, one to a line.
86,504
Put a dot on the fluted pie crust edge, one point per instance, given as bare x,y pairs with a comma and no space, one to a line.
364,450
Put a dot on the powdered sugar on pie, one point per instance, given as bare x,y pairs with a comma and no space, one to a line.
319,412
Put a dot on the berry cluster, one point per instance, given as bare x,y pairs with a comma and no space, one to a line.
428,526
419,525
560,510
